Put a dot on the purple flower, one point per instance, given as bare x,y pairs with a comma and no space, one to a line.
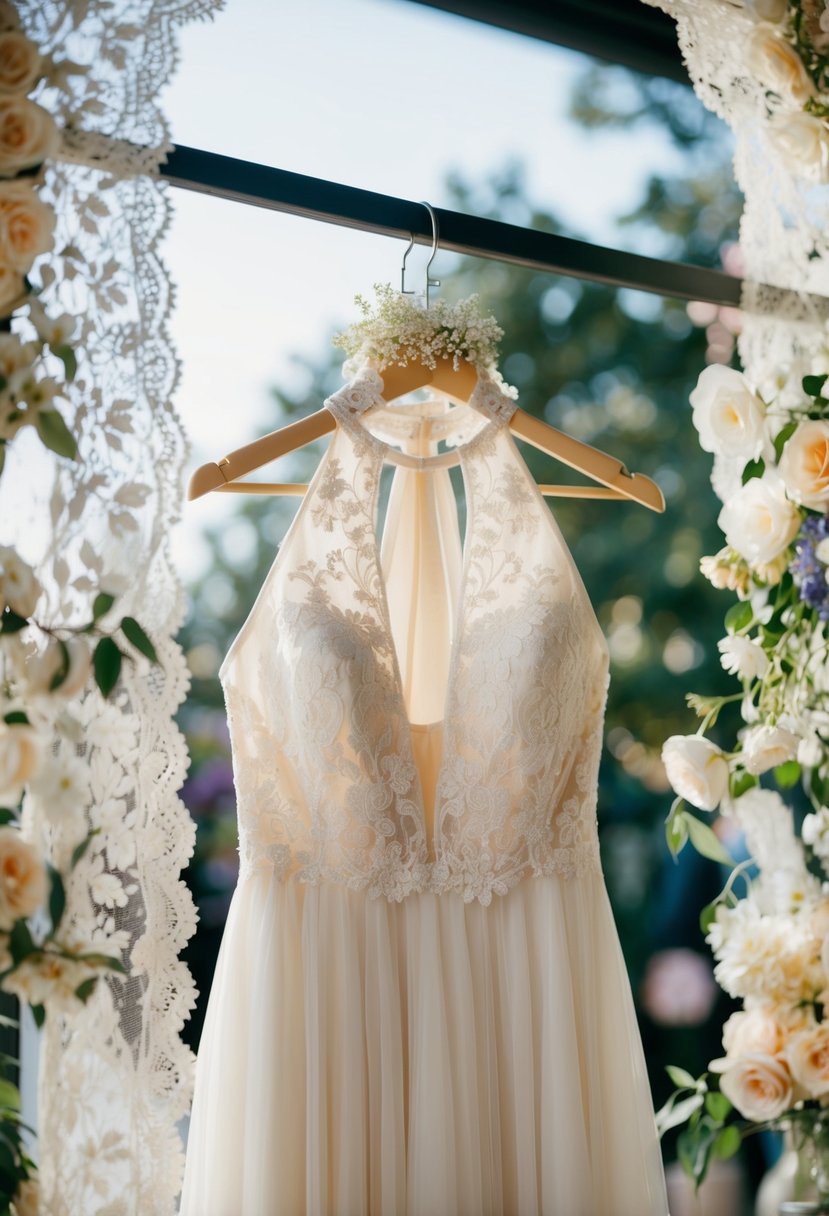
808,572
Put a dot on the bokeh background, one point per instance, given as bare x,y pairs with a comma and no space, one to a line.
409,101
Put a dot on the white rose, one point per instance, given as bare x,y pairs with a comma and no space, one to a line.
753,1030
727,414
768,10
765,747
21,65
808,1057
42,666
26,225
26,1200
802,140
50,980
804,464
21,749
23,881
28,135
19,589
759,1086
759,521
777,64
742,657
697,770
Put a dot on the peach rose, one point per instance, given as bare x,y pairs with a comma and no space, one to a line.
759,1086
753,1030
21,64
808,1056
804,464
28,135
777,64
26,225
23,881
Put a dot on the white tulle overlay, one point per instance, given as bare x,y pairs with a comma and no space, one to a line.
420,1007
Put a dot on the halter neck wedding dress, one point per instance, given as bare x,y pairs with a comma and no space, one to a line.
420,1006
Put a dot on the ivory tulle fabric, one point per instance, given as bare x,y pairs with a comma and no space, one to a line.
420,1006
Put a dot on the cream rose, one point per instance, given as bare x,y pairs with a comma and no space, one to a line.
48,980
759,521
804,464
23,881
19,589
26,1200
765,747
777,64
21,749
728,415
768,10
21,64
26,225
753,1030
42,666
28,135
759,1086
808,1057
697,770
803,142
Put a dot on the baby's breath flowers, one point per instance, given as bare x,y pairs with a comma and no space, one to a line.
398,330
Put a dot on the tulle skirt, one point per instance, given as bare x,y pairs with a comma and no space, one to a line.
425,1058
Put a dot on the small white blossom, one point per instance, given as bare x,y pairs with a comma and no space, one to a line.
743,657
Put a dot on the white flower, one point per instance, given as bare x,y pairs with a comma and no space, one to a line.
743,657
808,1057
21,64
767,10
804,464
26,1200
802,140
107,889
728,415
759,521
753,1030
19,589
62,788
777,64
765,747
28,135
23,881
767,957
822,551
50,980
759,1086
15,356
726,571
21,749
815,832
54,331
41,667
697,770
27,225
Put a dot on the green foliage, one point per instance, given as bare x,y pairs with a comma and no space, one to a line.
106,665
55,434
134,633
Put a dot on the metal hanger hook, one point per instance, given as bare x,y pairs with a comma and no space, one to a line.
435,238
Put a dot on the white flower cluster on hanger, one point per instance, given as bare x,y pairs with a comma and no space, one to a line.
400,329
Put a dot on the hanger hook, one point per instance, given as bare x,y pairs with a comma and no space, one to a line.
435,237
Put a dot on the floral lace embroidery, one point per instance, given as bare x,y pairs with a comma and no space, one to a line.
323,759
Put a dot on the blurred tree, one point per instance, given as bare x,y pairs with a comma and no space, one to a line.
614,368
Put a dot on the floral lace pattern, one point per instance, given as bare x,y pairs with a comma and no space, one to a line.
328,789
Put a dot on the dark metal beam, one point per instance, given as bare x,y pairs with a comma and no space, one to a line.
621,31
314,198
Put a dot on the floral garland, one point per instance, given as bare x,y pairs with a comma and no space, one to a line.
43,669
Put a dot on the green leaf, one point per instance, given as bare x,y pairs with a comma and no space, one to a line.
102,603
9,1094
67,358
16,718
676,832
813,385
63,671
707,916
787,775
12,622
781,439
84,991
39,1014
106,663
55,433
718,1106
680,1077
80,849
706,842
738,617
675,1113
693,1148
727,1142
21,943
135,634
7,815
57,898
754,468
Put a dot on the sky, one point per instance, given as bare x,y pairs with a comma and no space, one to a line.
385,94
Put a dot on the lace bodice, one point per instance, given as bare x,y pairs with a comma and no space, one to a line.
323,681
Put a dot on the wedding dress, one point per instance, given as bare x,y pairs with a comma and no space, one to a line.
420,1006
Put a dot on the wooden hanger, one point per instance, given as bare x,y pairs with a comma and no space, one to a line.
615,481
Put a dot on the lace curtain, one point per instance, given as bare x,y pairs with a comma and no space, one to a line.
784,237
116,1078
